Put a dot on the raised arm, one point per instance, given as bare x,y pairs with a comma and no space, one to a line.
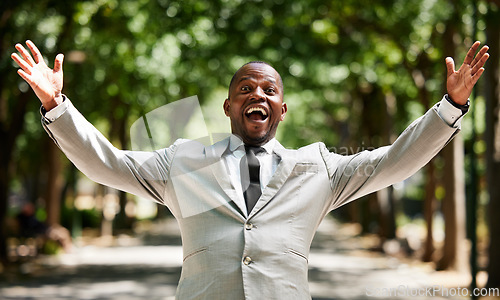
47,83
141,173
369,171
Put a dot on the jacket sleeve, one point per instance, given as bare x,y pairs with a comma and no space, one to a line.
144,174
354,176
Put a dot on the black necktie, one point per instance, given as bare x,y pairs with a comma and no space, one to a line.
250,182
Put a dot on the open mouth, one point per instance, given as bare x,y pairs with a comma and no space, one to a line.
256,113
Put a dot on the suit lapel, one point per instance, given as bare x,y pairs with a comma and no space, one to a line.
214,153
280,176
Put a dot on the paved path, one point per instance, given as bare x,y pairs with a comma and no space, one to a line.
147,269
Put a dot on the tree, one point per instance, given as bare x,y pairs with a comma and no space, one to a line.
492,135
16,104
13,108
453,204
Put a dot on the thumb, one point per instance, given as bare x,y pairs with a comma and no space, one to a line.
58,62
450,66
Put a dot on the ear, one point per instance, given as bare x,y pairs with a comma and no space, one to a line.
284,109
226,107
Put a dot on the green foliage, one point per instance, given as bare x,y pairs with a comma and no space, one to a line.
349,67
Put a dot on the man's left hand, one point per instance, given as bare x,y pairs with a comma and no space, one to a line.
460,83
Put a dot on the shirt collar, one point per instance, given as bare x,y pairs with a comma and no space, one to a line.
235,142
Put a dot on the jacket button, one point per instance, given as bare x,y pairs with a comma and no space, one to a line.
248,226
247,260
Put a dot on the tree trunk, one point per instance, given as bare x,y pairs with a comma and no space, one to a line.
54,186
10,129
455,254
3,209
122,220
492,94
453,205
386,198
429,209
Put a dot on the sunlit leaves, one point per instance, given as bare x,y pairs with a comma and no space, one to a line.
143,54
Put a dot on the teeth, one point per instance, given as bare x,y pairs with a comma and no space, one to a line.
259,109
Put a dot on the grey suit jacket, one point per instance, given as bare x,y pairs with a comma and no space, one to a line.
227,254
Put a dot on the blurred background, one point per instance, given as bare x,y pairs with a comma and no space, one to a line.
356,73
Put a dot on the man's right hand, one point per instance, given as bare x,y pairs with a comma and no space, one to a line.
47,83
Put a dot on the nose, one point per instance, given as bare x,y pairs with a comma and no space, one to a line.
258,94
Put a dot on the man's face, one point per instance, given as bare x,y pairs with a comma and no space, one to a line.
255,104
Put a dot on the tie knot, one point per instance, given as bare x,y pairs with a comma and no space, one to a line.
254,150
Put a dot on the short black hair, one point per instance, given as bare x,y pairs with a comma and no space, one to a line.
280,81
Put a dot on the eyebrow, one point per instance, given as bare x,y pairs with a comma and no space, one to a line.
270,79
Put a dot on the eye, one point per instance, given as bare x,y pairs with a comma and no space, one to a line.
270,90
245,88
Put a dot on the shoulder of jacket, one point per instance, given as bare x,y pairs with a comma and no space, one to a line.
180,142
314,147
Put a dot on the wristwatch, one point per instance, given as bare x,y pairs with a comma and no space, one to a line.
464,108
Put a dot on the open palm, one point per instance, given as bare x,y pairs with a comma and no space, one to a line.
460,83
47,83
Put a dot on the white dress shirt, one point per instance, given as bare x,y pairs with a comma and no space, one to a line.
268,161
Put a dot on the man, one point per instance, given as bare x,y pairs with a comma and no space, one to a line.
247,207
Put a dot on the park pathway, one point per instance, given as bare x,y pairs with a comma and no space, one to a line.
148,267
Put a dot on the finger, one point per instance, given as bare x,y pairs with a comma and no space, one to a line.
480,63
25,76
480,55
450,66
476,76
34,50
21,63
27,57
58,62
470,54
